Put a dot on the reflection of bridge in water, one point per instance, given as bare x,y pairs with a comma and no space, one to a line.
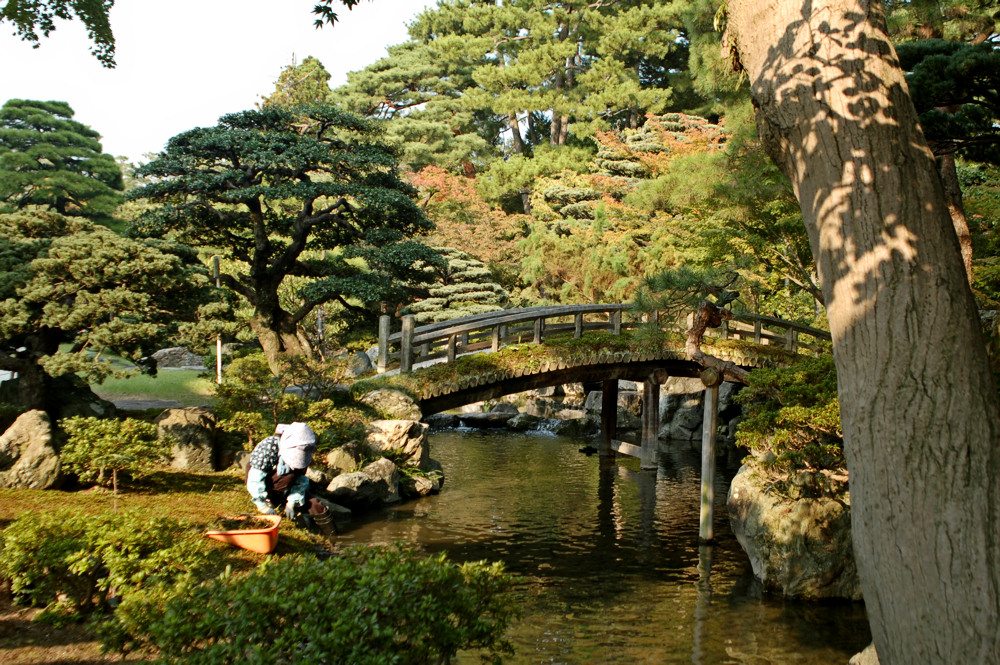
446,341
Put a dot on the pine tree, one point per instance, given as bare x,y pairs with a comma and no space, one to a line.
263,187
463,287
305,83
49,160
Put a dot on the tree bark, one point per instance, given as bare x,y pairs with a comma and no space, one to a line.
279,337
953,195
918,404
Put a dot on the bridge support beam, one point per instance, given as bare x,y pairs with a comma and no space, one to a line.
609,416
650,423
712,380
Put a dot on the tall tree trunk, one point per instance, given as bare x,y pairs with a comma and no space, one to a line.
953,196
279,338
918,404
521,149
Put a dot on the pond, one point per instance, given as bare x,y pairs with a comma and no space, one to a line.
609,558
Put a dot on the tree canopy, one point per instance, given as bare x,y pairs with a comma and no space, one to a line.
66,280
272,189
47,159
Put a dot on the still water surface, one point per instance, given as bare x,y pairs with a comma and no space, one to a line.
610,565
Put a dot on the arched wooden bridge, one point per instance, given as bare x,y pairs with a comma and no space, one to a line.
446,341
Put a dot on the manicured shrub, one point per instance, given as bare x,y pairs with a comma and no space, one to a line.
76,564
793,412
369,606
95,447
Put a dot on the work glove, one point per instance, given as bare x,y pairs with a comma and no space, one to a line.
290,510
265,509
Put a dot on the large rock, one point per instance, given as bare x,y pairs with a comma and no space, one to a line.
798,537
442,420
343,459
484,420
523,422
28,457
385,478
406,439
193,432
352,488
393,404
505,407
177,357
359,363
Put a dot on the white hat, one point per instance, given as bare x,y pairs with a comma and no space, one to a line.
296,445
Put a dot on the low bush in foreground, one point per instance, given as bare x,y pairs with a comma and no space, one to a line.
76,565
369,606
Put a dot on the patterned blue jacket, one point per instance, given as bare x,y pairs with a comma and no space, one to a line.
264,463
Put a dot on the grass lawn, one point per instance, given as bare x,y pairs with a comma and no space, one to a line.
190,387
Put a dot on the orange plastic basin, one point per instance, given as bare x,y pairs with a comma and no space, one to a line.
261,541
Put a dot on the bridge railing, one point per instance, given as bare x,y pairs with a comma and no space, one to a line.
493,330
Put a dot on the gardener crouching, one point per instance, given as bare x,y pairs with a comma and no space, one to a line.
276,477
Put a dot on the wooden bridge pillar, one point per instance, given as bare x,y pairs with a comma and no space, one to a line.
712,379
609,416
650,424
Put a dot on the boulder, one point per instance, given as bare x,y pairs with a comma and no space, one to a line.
796,532
442,421
577,427
241,460
318,476
413,487
358,363
405,438
193,432
682,385
177,357
484,420
392,404
352,488
523,422
385,480
505,407
344,459
28,457
728,408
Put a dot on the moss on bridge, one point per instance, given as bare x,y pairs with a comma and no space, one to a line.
560,352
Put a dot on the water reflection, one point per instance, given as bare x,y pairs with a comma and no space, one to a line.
609,557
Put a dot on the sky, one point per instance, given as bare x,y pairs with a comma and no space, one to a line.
184,63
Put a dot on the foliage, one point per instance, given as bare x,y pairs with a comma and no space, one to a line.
48,159
75,564
95,446
251,401
679,291
66,281
263,187
463,288
793,412
367,606
463,218
981,188
306,83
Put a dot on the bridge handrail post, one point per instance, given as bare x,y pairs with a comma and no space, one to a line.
616,322
791,339
495,345
452,342
406,345
756,331
539,329
578,325
384,328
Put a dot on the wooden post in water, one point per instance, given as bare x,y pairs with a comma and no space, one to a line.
384,325
712,379
609,416
650,423
406,345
